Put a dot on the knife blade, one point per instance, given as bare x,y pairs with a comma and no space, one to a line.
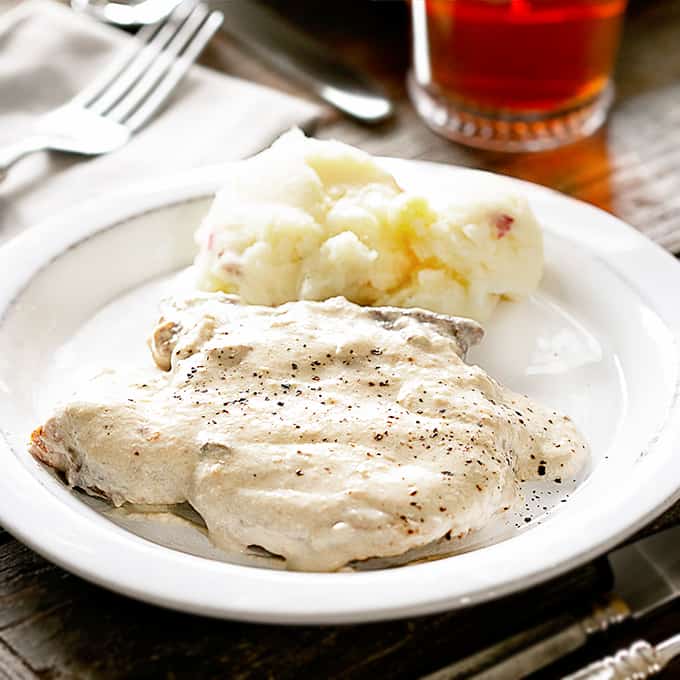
647,573
302,58
646,577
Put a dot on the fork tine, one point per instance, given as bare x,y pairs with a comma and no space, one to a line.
175,73
160,66
137,66
117,66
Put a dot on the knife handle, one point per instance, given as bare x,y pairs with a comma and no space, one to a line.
531,650
554,647
639,661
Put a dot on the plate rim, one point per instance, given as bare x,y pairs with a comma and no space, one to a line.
105,213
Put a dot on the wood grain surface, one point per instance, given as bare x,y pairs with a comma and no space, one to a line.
54,625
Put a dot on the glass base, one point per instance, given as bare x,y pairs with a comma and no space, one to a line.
509,132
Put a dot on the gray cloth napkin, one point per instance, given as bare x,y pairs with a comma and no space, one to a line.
48,53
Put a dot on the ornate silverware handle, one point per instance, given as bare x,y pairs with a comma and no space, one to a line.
641,660
532,649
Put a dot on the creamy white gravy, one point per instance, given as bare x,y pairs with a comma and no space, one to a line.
323,432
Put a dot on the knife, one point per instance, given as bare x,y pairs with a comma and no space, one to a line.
304,59
646,577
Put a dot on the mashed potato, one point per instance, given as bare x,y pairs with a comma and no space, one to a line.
309,219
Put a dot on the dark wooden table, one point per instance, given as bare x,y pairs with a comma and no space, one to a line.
54,625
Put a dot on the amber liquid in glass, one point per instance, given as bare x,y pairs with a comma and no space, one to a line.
522,55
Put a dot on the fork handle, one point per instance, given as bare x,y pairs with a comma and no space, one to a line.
11,153
640,660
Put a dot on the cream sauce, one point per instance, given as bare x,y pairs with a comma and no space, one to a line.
322,432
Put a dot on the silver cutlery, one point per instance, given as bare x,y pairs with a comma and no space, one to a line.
276,42
104,116
127,13
646,576
304,59
639,661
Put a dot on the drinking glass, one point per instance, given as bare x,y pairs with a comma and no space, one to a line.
514,75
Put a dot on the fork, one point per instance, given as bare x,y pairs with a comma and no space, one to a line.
641,660
105,115
126,14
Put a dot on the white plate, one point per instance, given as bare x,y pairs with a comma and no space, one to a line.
599,342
